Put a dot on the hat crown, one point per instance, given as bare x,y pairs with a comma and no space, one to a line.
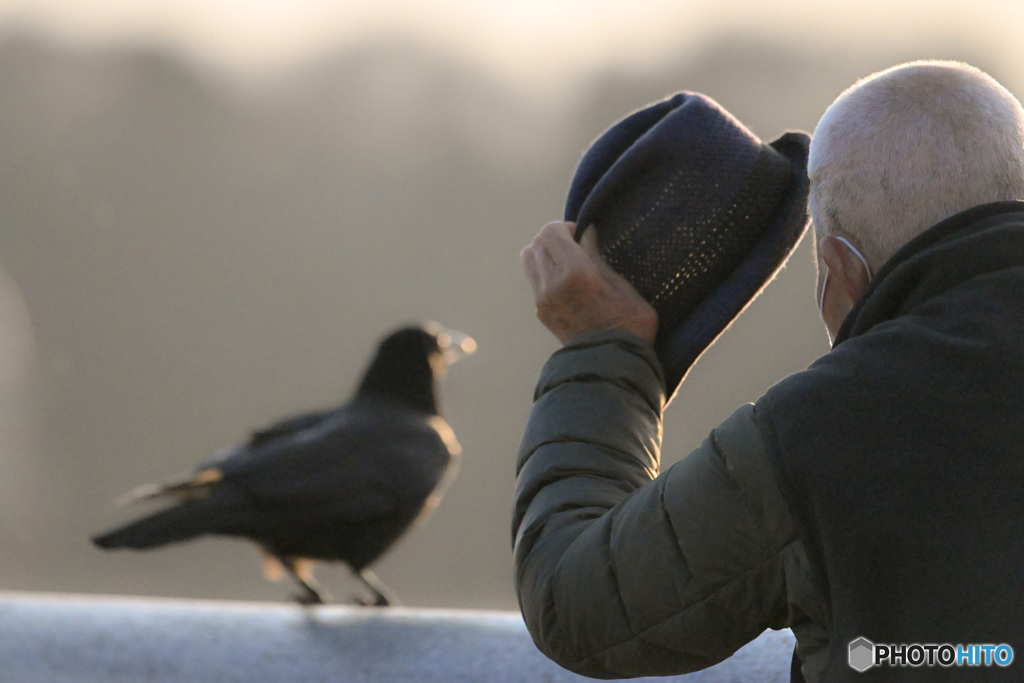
665,132
683,197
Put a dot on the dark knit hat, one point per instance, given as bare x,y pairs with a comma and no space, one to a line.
695,212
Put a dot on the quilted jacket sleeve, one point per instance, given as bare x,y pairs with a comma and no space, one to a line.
621,572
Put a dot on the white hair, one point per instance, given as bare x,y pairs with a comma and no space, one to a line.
907,147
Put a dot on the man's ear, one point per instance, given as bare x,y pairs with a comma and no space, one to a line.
846,269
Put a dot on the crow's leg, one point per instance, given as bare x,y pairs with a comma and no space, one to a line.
302,572
382,595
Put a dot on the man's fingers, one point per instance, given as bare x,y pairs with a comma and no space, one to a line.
576,291
529,260
588,240
557,240
564,230
589,244
541,266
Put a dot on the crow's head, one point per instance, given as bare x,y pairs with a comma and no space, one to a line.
408,361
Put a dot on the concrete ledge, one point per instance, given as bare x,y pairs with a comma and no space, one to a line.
49,638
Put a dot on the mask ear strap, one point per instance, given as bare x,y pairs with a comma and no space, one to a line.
857,253
821,298
824,282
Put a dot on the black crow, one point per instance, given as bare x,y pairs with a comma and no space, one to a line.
334,485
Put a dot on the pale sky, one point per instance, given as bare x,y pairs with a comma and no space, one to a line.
526,38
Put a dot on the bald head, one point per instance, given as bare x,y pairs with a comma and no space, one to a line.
910,146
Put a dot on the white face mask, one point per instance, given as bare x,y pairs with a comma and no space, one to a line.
824,283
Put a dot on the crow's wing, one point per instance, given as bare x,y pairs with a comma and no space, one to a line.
365,460
289,426
282,429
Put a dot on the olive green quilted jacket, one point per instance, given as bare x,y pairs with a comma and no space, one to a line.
622,571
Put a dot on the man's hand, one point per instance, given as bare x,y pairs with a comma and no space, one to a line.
577,292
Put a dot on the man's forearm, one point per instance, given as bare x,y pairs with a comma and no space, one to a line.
621,571
593,437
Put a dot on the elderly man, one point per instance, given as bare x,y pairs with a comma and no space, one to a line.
878,495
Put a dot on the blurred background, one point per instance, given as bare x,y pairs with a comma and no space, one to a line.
210,211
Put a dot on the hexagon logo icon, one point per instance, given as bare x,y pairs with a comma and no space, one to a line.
861,654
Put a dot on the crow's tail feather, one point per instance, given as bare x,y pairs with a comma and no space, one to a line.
173,525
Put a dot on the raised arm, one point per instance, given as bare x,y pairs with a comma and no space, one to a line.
619,571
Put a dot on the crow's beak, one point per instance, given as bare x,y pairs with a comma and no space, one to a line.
455,345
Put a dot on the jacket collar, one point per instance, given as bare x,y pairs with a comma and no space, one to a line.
978,241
